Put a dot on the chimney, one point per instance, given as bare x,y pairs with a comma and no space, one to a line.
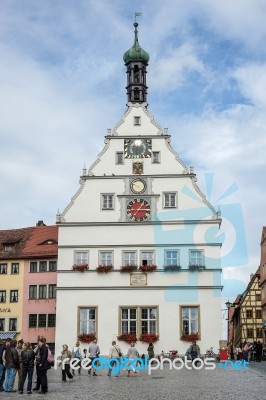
40,223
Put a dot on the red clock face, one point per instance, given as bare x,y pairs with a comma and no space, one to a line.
138,209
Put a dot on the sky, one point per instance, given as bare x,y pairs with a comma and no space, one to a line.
63,79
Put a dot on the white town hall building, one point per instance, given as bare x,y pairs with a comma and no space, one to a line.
138,249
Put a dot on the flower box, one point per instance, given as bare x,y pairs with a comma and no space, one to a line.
147,268
80,267
190,337
172,267
149,337
128,268
104,268
195,267
128,337
86,337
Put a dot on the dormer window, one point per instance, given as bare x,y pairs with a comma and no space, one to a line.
8,247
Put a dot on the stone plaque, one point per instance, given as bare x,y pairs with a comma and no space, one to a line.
137,279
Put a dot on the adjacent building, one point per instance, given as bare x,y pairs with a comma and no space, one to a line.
138,254
263,281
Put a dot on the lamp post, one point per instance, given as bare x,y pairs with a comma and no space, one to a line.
228,305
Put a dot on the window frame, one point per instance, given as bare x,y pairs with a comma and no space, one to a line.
117,154
54,268
128,319
41,266
88,320
41,318
3,293
165,194
14,268
199,261
15,320
190,320
51,320
35,263
172,258
3,269
13,293
149,320
249,313
147,251
153,158
111,252
2,323
137,120
33,288
52,291
129,262
108,208
82,259
41,289
33,322
250,333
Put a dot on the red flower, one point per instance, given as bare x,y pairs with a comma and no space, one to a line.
104,268
128,337
80,267
86,337
190,337
128,268
149,338
147,268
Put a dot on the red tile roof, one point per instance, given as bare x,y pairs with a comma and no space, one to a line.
42,243
16,239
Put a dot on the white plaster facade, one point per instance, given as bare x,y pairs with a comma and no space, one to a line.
192,224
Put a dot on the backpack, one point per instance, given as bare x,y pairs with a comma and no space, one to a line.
50,357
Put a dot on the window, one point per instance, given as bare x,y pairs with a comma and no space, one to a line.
259,333
250,332
13,296
107,202
148,320
8,247
33,266
13,324
2,324
136,120
156,157
52,266
258,314
51,320
32,320
81,257
42,321
169,200
87,318
196,257
249,314
43,266
105,258
3,268
172,257
14,268
147,258
52,292
190,320
119,158
42,292
2,296
258,297
33,292
129,258
128,320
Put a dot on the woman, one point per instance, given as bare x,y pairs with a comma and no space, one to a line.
65,358
27,361
132,353
150,350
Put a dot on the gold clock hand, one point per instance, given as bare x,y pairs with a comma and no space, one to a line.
138,209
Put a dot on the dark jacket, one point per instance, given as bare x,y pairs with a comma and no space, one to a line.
11,357
43,354
2,349
28,357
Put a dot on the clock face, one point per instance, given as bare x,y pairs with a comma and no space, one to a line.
137,148
138,209
138,186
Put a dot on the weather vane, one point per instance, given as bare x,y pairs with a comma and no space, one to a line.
137,14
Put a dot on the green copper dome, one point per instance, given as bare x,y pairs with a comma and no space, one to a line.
136,53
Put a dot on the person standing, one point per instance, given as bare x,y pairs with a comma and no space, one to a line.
76,353
258,351
94,351
3,347
238,352
27,361
132,353
66,356
114,352
19,350
194,350
150,350
44,365
11,359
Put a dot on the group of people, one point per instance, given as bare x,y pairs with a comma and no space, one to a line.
20,358
248,351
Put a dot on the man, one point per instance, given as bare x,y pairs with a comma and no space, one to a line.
94,351
19,350
194,351
115,352
2,366
43,365
11,359
259,351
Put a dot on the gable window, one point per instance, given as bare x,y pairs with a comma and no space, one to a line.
190,320
2,324
129,320
87,320
156,157
107,201
258,297
105,258
52,266
147,258
33,266
33,292
171,257
129,258
42,321
196,257
3,268
13,296
51,320
13,324
32,320
52,291
42,292
43,266
258,314
14,268
148,320
136,120
81,257
249,314
2,296
119,157
170,200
